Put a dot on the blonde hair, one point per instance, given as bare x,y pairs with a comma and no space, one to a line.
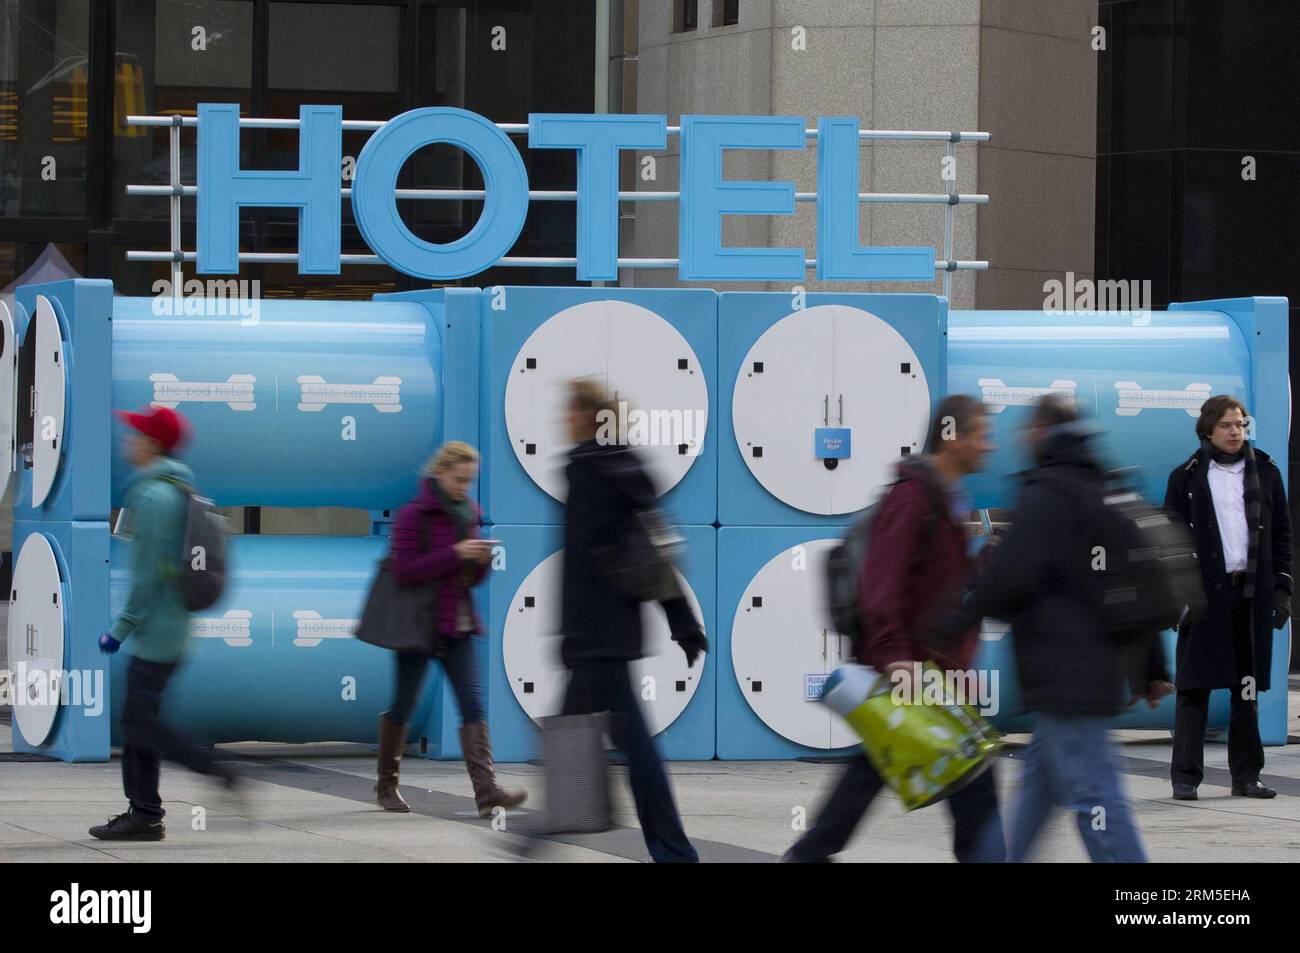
589,396
450,454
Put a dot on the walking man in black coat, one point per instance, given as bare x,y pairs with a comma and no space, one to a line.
601,626
1231,496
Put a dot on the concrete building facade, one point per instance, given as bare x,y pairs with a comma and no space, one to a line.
1022,70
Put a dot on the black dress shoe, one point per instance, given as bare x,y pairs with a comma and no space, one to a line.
1253,789
1184,792
129,827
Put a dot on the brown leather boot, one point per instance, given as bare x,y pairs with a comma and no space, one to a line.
478,760
392,739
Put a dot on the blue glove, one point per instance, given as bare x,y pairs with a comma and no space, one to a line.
108,645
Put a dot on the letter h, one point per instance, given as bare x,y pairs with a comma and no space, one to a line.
313,188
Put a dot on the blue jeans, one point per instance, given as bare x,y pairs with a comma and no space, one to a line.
460,663
1071,764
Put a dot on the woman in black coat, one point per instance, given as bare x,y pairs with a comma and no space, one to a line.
1232,645
600,627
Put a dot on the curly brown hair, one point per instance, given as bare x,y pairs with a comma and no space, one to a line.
1212,412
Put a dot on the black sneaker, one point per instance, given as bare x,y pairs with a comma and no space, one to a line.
1253,789
1184,792
129,827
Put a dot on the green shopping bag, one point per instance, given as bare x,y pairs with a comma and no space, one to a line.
923,751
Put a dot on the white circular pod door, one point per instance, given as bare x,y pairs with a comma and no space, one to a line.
837,368
781,645
627,348
36,639
48,408
9,410
530,651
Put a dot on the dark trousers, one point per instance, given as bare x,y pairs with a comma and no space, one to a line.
977,825
461,665
148,739
606,685
1245,750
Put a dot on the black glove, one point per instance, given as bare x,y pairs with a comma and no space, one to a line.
693,643
1281,607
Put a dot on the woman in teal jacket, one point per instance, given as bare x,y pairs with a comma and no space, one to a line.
155,624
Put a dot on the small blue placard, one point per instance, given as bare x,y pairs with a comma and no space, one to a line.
813,683
832,443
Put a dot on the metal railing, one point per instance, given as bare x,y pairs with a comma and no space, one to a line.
175,191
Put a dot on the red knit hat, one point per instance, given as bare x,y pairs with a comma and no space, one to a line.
162,424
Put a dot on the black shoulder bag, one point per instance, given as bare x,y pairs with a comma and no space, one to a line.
397,617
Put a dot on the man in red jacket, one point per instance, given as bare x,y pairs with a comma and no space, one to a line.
916,563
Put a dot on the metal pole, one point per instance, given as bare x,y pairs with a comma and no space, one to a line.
521,128
947,222
601,102
508,261
571,195
178,272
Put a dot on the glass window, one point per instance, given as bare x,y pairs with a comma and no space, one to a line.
359,282
338,47
39,261
44,71
686,15
171,57
440,81
329,53
500,43
354,282
440,64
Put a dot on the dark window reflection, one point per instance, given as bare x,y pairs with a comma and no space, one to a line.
38,262
440,81
500,58
344,54
688,15
354,282
44,72
171,57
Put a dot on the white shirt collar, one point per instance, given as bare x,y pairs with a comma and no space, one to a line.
1230,467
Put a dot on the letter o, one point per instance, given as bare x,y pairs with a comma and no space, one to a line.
374,193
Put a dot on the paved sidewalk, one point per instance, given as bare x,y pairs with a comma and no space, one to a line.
311,804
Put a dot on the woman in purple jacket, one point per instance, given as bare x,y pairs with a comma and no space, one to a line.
436,543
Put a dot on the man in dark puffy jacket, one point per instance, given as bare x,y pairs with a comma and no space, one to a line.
916,563
1071,674
600,627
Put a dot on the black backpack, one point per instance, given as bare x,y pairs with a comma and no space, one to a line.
202,577
1145,577
843,570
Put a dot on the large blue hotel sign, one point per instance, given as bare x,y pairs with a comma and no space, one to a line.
705,197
